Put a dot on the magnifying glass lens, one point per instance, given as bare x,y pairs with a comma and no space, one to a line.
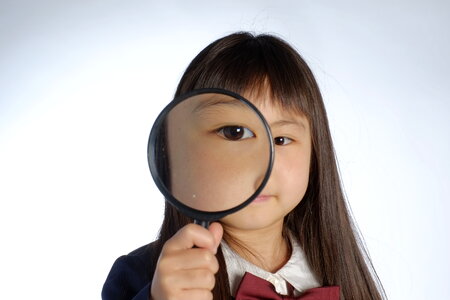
212,152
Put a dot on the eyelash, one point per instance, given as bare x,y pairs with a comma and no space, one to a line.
283,140
246,133
279,140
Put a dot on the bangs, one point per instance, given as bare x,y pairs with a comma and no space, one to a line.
263,66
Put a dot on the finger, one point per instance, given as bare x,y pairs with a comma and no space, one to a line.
196,279
189,236
182,294
196,294
194,258
187,280
216,230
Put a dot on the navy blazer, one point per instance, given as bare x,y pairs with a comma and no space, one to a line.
129,278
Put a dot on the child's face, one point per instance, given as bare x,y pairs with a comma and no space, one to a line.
289,179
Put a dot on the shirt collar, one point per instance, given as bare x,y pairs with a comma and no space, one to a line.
296,271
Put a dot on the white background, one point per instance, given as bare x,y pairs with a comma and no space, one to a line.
82,81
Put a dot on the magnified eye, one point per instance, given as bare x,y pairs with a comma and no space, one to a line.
282,140
235,133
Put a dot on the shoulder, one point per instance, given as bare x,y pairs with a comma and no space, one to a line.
130,275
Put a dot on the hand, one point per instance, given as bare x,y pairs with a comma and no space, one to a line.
184,272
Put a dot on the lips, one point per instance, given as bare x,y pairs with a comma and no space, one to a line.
261,198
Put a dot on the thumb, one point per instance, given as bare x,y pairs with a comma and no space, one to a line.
217,231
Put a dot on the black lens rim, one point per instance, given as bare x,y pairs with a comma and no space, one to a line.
196,214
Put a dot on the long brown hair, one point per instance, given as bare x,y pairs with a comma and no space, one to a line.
321,221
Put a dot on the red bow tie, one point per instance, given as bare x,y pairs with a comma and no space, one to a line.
255,288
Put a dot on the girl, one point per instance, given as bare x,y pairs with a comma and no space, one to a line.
298,238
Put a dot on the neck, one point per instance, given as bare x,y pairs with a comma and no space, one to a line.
266,247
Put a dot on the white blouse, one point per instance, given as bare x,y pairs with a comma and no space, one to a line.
296,271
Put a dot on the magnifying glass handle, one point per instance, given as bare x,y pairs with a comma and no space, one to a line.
204,224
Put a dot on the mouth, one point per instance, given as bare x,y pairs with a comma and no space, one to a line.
261,198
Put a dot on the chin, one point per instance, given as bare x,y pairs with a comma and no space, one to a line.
251,221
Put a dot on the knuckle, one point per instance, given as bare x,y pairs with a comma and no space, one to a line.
207,256
210,260
163,263
166,247
207,278
167,262
189,229
215,266
170,295
202,295
208,295
165,282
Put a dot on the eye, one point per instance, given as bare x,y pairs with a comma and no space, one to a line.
235,133
282,140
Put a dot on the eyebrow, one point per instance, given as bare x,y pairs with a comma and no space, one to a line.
218,102
282,123
237,103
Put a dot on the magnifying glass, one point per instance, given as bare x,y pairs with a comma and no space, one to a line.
210,153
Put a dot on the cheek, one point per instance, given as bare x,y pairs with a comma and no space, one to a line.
213,177
294,175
